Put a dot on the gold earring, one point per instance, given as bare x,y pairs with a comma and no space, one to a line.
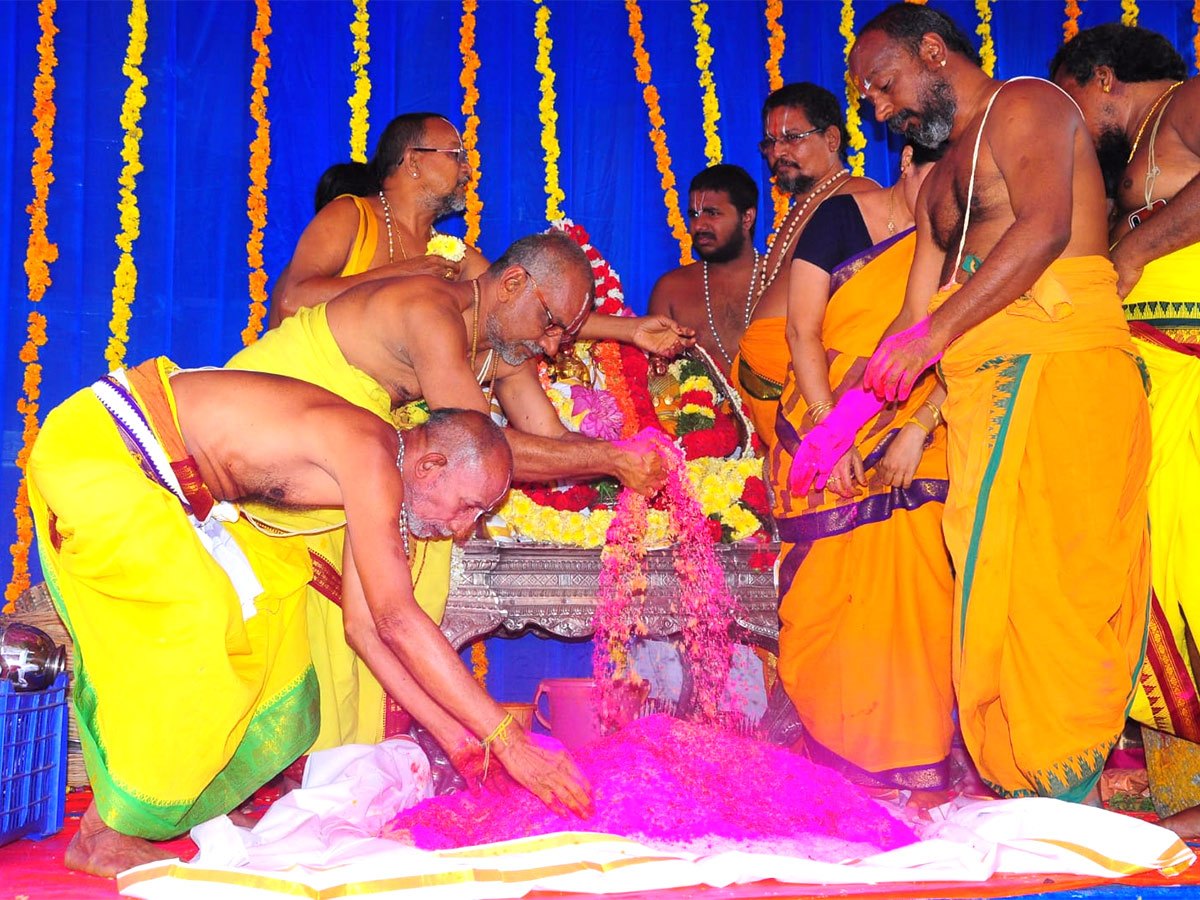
1106,88
943,64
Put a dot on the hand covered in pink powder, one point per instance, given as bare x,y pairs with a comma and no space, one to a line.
899,361
467,759
825,444
640,461
546,770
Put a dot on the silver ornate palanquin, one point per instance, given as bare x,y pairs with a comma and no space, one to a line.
509,587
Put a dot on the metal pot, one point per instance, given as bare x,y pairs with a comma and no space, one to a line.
29,658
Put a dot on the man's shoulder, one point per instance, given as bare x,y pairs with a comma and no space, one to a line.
680,279
1028,93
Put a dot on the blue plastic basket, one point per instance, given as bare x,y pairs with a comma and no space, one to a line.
33,761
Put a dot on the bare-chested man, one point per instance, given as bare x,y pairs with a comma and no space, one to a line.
388,342
1144,116
193,684
1047,415
722,207
804,142
418,175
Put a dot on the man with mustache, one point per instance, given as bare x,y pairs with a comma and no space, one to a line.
387,343
1144,116
722,207
804,143
1049,438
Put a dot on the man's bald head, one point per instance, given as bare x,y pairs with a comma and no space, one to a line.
547,256
468,439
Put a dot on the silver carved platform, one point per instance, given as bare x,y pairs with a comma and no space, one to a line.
511,587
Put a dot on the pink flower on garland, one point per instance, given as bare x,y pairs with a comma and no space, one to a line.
603,419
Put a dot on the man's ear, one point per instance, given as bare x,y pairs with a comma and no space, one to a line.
1105,78
933,50
749,217
833,139
512,282
430,463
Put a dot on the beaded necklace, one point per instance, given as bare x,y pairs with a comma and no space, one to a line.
795,219
712,326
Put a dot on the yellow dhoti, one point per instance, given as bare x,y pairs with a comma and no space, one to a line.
1046,524
184,706
758,372
354,707
864,584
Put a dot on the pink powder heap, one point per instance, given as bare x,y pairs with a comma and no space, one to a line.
670,783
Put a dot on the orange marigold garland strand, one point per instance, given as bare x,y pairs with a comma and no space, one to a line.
1071,25
712,110
470,137
125,276
776,37
658,134
360,29
857,139
546,113
479,663
1196,40
260,158
39,253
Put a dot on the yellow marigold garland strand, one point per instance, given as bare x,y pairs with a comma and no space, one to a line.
987,47
360,29
470,137
1071,25
546,113
776,38
858,140
39,253
125,276
658,134
260,158
712,111
479,663
1129,12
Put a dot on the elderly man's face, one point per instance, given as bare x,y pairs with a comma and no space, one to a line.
450,502
797,153
447,172
540,318
913,100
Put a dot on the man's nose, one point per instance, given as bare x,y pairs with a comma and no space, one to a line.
883,109
550,344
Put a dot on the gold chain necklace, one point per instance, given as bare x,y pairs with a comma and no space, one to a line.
1146,121
794,224
387,219
474,321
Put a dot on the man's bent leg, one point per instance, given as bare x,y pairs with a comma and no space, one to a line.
100,850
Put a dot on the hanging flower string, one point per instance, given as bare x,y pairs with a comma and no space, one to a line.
479,663
360,29
1129,12
776,38
704,55
658,134
1196,39
39,253
1071,25
546,113
857,139
260,158
987,47
125,276
470,137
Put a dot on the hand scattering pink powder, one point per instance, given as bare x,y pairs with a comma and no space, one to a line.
899,360
826,443
675,784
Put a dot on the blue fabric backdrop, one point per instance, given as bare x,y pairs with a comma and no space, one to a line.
192,271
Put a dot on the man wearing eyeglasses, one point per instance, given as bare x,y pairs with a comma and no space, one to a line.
804,145
389,342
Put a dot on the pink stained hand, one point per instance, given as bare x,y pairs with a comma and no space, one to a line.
899,360
826,443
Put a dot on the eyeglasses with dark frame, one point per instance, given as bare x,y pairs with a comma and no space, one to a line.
555,328
792,139
459,153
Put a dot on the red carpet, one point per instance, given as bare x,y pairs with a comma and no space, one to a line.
33,870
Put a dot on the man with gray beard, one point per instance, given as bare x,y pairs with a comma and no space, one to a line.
1012,293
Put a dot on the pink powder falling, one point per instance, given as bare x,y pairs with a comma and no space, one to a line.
670,783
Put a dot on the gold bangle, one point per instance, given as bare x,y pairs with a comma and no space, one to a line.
820,408
915,421
938,418
499,733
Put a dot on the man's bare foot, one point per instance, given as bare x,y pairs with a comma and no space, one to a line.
243,818
99,850
1186,823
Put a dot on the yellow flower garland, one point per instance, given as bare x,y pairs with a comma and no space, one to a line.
987,47
360,28
470,137
658,134
719,485
1129,12
776,37
39,253
546,113
260,158
125,281
704,55
857,139
1071,25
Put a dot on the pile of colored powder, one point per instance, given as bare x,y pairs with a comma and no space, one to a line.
677,785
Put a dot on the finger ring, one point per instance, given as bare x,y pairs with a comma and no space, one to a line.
448,274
